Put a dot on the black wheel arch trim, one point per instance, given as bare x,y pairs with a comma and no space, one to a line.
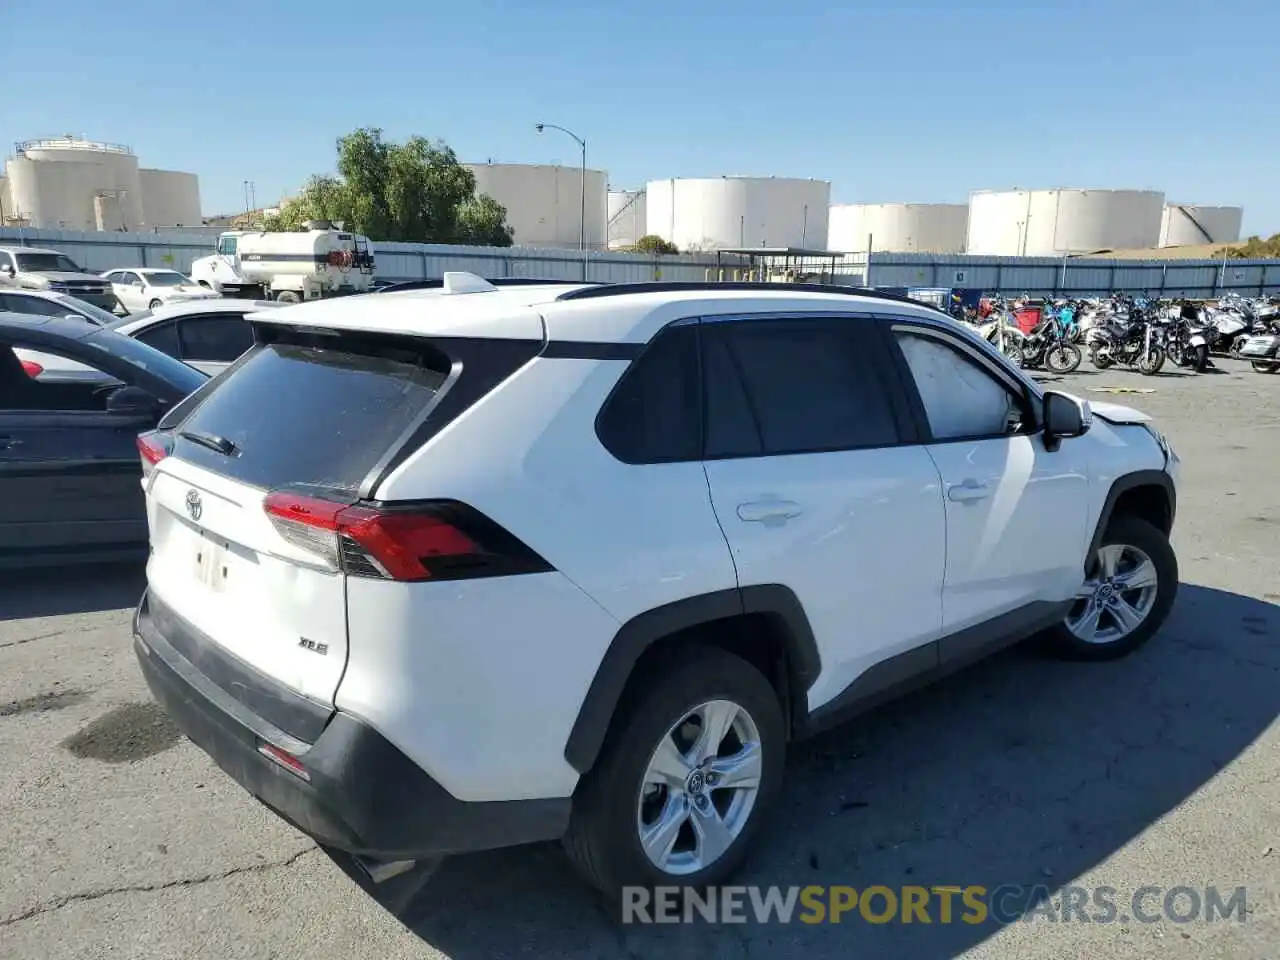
1122,485
638,634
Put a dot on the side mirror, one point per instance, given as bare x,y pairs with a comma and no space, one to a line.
1064,417
7,270
134,402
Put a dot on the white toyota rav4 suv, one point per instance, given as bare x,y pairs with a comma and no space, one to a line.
483,565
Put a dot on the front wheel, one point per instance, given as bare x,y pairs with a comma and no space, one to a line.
1265,366
155,304
1200,358
1130,585
1063,358
1100,356
685,780
288,296
1149,363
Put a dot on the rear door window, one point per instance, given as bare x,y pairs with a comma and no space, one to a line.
164,337
306,415
215,338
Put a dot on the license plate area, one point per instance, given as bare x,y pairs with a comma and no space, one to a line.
214,562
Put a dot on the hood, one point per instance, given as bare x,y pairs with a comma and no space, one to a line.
191,290
1118,414
59,276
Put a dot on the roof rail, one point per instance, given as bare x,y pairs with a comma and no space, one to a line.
497,282
679,286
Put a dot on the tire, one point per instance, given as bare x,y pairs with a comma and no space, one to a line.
1099,357
603,839
1130,534
1013,352
1063,358
1236,345
1150,364
1200,358
1265,366
288,296
155,304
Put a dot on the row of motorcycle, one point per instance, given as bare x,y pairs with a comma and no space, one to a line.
1136,332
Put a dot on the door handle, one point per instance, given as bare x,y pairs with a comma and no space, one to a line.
970,491
768,512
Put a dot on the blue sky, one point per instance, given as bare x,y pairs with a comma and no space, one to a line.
912,100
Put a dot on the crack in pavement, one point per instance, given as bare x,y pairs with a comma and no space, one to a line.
41,636
59,902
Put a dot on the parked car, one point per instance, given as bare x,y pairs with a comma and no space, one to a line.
578,561
35,268
44,303
208,334
69,470
144,288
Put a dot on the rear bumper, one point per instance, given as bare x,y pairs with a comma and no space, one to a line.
364,796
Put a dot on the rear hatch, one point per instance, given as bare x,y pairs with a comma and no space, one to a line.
293,422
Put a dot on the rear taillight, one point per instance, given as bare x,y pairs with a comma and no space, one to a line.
440,540
32,369
153,447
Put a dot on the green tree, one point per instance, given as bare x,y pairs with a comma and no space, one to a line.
654,244
1255,248
414,191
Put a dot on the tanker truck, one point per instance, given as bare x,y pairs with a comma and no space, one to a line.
321,260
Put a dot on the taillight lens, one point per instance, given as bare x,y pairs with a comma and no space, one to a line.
32,369
153,447
440,540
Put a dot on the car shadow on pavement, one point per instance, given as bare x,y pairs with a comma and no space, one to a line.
1022,770
70,590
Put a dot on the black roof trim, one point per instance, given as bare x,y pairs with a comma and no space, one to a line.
497,282
679,286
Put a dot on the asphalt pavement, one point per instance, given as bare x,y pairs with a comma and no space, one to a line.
118,839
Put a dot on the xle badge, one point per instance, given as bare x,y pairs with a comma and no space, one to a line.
320,648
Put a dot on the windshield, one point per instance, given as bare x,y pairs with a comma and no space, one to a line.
165,278
138,354
46,263
87,310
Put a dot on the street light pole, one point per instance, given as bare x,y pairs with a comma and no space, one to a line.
582,210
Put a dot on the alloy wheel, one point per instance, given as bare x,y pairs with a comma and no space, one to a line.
700,787
1117,597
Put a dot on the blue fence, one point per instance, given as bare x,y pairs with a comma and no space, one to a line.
1035,276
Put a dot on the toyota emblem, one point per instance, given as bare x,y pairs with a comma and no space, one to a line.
195,506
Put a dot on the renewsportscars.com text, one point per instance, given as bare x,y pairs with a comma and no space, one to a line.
971,904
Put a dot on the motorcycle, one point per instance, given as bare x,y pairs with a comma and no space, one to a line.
1014,338
1134,344
1186,341
1047,346
1262,350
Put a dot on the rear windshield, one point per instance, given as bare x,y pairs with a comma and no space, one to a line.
309,415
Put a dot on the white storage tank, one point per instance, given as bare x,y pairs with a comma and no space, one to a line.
1046,223
72,183
1191,224
716,212
898,227
627,222
544,202
170,198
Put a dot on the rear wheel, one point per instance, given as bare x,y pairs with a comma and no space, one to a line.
155,305
288,296
685,779
1265,366
1129,588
